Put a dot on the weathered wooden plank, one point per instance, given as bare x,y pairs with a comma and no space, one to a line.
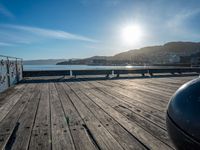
134,103
135,96
142,121
41,133
9,123
149,113
61,136
25,122
141,134
145,92
79,134
164,86
124,138
100,135
10,101
145,87
88,114
7,94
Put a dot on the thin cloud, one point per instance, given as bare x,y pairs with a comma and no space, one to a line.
181,17
4,11
177,25
5,44
48,33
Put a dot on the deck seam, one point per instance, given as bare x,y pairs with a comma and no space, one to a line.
65,117
113,119
95,141
18,118
93,115
34,121
136,123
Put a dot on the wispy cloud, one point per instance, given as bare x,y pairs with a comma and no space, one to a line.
5,44
178,24
4,11
48,33
181,17
26,34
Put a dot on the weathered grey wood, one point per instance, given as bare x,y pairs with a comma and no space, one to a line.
41,133
155,104
124,138
134,115
26,121
101,136
144,88
141,134
8,124
80,136
61,136
137,105
10,92
9,103
87,114
150,126
145,92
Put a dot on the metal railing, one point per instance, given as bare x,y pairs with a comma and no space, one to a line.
11,71
107,72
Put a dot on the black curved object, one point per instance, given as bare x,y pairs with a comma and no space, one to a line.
183,116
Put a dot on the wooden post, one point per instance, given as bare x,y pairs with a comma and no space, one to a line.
8,71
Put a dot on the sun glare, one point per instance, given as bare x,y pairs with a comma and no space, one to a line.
131,34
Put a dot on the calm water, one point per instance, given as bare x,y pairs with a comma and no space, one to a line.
73,67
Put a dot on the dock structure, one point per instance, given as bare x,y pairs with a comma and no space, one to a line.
85,114
11,69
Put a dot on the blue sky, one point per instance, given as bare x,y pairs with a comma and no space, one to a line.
41,29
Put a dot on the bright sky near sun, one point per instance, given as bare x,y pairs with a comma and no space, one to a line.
40,29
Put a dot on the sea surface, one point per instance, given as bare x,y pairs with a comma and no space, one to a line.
73,67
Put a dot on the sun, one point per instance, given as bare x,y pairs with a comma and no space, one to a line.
131,34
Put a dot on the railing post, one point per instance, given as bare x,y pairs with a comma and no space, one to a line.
22,67
17,73
71,73
8,71
113,72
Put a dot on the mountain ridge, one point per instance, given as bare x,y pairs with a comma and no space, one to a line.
170,52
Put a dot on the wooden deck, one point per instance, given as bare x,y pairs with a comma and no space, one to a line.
87,114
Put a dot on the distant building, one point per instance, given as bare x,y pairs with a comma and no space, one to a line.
195,59
185,60
174,59
99,61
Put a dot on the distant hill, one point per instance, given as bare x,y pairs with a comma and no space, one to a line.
159,54
95,60
168,53
43,61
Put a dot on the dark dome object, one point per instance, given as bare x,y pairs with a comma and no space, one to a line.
183,116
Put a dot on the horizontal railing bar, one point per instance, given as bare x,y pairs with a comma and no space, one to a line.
150,71
10,57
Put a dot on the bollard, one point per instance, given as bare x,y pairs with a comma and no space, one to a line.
183,116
